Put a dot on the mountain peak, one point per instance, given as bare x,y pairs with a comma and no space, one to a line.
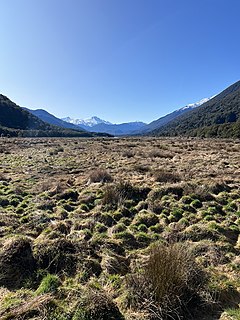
195,104
90,122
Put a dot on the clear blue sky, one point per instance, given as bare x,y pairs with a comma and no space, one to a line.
122,60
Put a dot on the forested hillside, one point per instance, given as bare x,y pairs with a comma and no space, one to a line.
219,117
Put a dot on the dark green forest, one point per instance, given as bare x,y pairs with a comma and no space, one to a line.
18,122
219,117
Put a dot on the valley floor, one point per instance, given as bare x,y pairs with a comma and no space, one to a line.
131,228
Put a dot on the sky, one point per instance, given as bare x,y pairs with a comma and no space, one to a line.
120,60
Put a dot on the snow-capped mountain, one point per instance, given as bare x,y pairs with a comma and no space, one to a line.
173,115
96,124
86,122
196,104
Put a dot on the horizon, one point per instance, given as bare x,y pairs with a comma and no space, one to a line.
123,61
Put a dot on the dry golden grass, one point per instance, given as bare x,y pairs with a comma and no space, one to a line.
103,201
39,159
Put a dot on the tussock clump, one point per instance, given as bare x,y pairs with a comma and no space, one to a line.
128,154
166,284
165,176
171,189
198,232
97,306
141,168
16,262
69,194
92,267
3,177
100,175
155,153
116,264
200,191
56,255
209,253
127,239
116,195
115,247
145,217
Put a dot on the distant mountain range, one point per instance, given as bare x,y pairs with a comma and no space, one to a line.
218,116
96,124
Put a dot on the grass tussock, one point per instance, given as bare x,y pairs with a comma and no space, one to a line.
99,175
166,284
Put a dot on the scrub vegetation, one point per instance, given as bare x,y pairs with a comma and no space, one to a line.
104,228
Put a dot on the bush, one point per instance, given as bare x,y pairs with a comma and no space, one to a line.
167,283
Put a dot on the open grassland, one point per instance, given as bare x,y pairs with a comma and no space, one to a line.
136,228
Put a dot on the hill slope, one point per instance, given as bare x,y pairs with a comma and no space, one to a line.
218,117
51,119
171,116
16,121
